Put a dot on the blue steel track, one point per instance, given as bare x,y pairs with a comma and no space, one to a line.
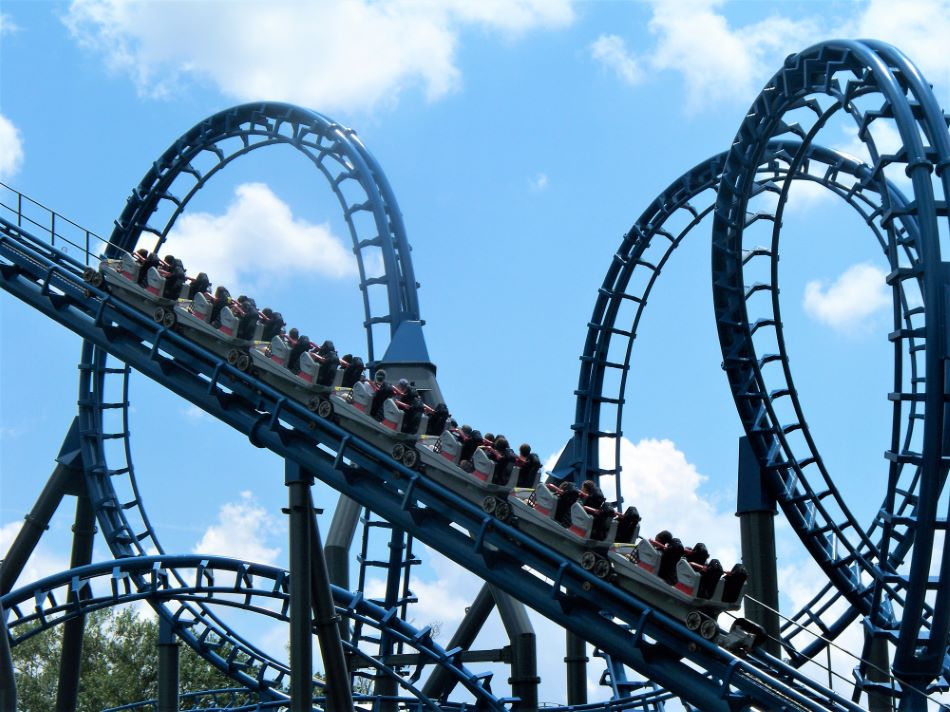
649,641
909,608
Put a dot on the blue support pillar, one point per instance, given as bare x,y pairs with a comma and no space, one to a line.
756,511
168,669
386,686
339,696
299,482
84,530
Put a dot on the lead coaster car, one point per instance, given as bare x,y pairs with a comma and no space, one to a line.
637,565
352,406
121,278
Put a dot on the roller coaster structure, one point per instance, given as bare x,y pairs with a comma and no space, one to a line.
882,572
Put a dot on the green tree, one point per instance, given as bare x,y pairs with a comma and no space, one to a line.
120,664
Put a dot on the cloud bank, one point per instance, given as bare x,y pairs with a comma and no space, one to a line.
340,54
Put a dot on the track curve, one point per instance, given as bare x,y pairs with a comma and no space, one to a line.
224,582
829,79
375,225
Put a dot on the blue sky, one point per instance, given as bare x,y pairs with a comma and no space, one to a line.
522,140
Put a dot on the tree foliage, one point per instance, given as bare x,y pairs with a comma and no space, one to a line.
119,665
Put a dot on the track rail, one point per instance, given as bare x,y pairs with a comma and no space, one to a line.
648,247
226,583
369,206
839,78
647,640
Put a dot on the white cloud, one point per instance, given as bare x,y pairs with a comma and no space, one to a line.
884,134
540,182
611,51
351,54
919,28
193,412
241,532
887,141
667,490
293,245
512,17
11,432
11,148
41,563
719,62
442,597
848,304
7,26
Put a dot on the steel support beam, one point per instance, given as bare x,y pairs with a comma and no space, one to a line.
299,482
576,662
168,671
66,478
346,518
756,511
84,531
386,686
440,684
339,696
879,657
524,678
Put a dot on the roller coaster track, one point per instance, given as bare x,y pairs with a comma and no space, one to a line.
610,344
863,564
827,79
649,641
222,582
866,566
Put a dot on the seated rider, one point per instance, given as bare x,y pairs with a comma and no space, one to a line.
352,371
504,460
174,277
198,284
437,419
469,446
274,324
565,501
293,360
602,520
670,556
627,525
384,391
222,297
327,352
709,579
248,321
149,260
529,463
412,418
593,495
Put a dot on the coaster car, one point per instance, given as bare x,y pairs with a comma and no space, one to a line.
120,277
